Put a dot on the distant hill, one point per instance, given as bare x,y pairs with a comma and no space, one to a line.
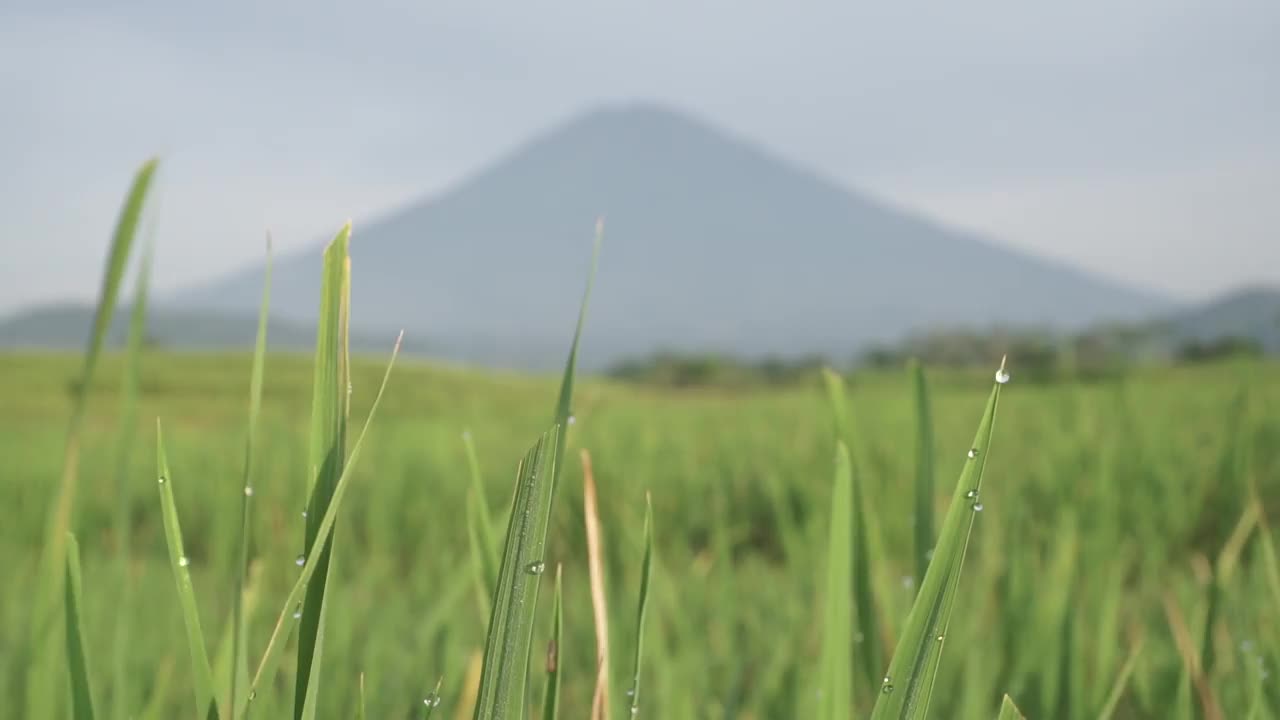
1252,313
712,244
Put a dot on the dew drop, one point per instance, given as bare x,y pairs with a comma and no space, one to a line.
304,513
973,453
908,582
253,694
183,561
1002,377
297,614
939,638
161,479
887,686
300,560
635,710
572,419
432,700
535,568
631,692
977,507
248,491
971,494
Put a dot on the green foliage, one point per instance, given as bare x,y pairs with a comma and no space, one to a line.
642,607
836,688
551,695
1009,711
77,663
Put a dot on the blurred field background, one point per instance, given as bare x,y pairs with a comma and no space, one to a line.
1113,509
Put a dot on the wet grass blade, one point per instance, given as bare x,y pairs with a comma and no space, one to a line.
642,605
238,654
907,687
77,663
330,403
924,470
551,698
837,650
506,663
1009,711
123,523
863,533
432,701
202,674
599,600
271,656
43,669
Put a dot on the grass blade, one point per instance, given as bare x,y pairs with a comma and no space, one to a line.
201,672
551,698
924,471
1009,711
1122,680
360,714
330,403
238,658
564,403
480,532
502,682
123,523
864,533
42,672
908,685
837,651
599,601
432,701
77,663
275,645
642,605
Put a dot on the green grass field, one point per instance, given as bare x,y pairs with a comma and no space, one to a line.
181,539
1108,510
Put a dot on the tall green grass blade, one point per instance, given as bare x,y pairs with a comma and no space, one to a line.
924,471
330,399
201,672
360,713
837,652
863,533
907,687
271,656
480,532
506,658
642,606
77,663
123,522
43,669
1009,711
551,698
239,657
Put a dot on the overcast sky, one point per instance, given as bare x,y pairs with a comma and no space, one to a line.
1140,139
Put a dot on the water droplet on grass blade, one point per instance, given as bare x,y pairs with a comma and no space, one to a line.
977,507
886,687
1002,377
248,491
535,568
973,453
432,700
971,494
300,560
183,561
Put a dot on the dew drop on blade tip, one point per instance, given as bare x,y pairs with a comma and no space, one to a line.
1002,377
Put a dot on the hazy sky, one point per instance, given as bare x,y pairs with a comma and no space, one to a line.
1140,139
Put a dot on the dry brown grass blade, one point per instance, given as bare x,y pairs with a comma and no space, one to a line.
1187,649
599,607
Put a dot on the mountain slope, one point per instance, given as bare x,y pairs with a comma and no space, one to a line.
1252,313
711,244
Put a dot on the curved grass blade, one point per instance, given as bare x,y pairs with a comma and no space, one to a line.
551,698
275,645
238,655
201,672
502,682
1009,711
642,606
908,685
865,533
837,651
43,670
77,663
924,470
122,528
330,404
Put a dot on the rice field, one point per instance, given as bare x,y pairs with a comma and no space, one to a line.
914,544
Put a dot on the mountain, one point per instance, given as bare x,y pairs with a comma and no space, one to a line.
1251,313
711,244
